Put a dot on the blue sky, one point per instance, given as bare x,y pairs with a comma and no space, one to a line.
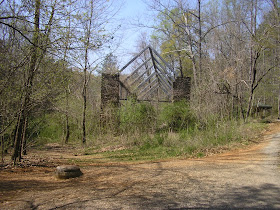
130,11
133,7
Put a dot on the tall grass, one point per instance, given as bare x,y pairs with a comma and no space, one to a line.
178,132
177,116
137,117
145,132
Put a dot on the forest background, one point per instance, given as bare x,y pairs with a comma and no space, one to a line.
52,53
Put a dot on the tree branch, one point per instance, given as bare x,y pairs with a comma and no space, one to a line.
17,30
264,74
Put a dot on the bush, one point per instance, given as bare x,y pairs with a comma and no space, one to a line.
137,116
50,129
177,116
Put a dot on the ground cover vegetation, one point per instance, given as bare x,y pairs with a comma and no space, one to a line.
53,51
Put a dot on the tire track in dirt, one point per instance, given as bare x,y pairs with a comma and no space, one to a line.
241,179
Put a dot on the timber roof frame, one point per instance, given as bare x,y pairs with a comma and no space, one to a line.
152,75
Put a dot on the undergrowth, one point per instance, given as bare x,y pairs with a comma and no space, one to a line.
146,132
198,143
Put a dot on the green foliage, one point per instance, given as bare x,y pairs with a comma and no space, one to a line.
177,116
110,64
171,38
146,134
49,128
135,116
216,137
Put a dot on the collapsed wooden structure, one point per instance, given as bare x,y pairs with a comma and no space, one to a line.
151,79
146,77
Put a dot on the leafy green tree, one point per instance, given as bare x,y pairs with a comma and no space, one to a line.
110,64
28,27
172,43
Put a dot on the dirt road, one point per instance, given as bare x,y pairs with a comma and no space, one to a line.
241,179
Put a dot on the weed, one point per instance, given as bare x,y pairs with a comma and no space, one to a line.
137,116
200,154
147,134
177,116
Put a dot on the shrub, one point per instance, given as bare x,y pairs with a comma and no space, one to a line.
137,116
177,116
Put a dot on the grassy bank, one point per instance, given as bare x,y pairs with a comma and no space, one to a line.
164,145
146,132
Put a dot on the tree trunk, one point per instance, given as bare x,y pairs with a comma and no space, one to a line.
2,148
67,91
2,140
85,90
253,56
67,118
252,90
84,108
279,104
87,43
18,139
200,41
24,152
191,54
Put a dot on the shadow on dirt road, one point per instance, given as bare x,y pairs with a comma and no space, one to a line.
242,179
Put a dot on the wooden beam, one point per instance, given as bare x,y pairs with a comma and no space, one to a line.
167,92
165,82
166,79
139,67
151,90
162,101
123,85
174,72
163,68
165,71
140,76
152,83
146,80
133,59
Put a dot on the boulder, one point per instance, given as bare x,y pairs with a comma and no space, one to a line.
67,171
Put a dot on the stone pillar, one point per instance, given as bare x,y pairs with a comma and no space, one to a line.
181,88
109,116
110,90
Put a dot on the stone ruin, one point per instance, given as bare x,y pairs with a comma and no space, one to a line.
110,87
110,90
151,80
182,88
109,101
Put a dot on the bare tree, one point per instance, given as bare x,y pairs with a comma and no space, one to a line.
33,53
23,116
91,38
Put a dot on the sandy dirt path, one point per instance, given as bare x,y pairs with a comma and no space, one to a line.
241,179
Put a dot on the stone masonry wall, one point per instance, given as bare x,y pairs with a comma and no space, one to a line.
109,117
109,90
182,88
